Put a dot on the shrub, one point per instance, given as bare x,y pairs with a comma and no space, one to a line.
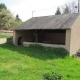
37,46
59,52
52,76
74,56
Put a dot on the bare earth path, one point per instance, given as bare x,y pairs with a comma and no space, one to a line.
2,40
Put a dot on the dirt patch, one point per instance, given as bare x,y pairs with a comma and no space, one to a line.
2,40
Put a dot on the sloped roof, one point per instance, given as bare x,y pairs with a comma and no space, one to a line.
64,21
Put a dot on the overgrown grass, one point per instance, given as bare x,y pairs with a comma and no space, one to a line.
21,63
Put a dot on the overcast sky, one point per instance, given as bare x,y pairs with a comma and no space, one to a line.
25,7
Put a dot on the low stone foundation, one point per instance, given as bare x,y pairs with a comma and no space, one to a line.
26,44
10,40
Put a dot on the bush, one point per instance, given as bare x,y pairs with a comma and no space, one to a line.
37,46
52,76
59,52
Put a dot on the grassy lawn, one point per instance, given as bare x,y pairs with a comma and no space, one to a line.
4,36
21,63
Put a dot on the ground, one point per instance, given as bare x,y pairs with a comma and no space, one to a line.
30,63
22,63
3,40
4,36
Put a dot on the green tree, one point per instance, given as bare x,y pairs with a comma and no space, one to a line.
6,19
69,7
58,11
17,21
17,18
2,6
67,10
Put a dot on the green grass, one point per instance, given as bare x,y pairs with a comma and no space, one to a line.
4,36
21,63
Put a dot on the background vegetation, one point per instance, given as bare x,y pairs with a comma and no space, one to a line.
7,20
71,7
5,35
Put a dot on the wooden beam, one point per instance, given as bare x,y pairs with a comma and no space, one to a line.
36,36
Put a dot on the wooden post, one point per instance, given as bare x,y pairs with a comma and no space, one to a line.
36,36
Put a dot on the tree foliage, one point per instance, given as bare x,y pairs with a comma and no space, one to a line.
17,18
17,21
2,6
66,9
69,7
7,20
58,11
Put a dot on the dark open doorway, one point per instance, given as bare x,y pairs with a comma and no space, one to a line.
20,42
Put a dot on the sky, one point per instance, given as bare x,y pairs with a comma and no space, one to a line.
25,8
